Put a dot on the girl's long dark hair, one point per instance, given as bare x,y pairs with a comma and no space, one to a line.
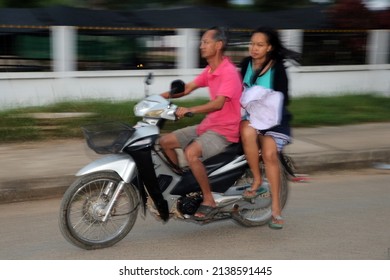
278,52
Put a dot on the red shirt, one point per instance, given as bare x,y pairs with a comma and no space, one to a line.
225,81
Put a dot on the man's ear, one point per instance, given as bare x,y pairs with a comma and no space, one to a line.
220,45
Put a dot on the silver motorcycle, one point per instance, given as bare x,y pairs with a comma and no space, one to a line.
100,208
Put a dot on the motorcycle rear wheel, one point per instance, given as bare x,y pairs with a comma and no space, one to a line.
80,217
261,216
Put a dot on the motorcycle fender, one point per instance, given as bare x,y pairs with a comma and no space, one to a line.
122,164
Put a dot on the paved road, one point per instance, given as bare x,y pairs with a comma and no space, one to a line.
34,170
337,215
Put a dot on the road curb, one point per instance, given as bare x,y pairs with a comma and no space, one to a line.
34,189
50,187
339,160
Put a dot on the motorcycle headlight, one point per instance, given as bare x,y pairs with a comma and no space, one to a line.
154,113
143,107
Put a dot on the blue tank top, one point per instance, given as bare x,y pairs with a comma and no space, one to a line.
265,80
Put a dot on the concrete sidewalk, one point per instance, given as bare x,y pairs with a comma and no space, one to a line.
37,170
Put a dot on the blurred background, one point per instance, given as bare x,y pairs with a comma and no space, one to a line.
42,37
113,35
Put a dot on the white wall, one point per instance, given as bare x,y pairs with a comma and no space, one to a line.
32,89
334,80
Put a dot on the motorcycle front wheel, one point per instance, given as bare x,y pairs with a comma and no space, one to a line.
82,209
252,217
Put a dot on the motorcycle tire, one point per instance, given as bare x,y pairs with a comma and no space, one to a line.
80,218
261,216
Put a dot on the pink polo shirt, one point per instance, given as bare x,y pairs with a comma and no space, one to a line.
225,81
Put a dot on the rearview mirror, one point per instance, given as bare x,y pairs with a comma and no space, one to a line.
149,79
177,86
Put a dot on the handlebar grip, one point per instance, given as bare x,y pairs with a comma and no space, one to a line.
189,114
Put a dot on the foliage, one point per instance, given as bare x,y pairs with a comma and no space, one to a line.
350,14
110,4
215,3
382,19
266,5
261,5
35,3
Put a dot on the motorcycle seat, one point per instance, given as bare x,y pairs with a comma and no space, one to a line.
229,153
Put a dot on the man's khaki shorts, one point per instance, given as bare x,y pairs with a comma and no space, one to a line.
211,142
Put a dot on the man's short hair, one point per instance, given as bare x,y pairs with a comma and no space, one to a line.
220,34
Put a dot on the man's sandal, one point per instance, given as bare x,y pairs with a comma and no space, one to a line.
277,222
205,212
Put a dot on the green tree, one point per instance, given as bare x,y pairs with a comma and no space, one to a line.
272,5
216,3
35,3
136,4
350,14
110,4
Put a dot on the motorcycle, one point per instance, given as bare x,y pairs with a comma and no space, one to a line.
101,206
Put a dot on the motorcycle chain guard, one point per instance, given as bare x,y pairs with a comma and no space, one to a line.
188,205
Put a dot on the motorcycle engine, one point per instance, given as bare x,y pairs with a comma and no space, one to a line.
189,204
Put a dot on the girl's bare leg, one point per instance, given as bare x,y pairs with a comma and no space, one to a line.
251,150
271,161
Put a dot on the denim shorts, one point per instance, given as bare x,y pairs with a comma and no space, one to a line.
211,142
280,139
280,143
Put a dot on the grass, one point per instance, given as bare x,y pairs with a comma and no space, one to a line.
19,125
339,110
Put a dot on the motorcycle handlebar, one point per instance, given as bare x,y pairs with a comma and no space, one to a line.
188,115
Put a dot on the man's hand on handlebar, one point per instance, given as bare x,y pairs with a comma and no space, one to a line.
183,112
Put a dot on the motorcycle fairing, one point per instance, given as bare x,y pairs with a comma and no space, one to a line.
144,162
122,164
223,170
218,184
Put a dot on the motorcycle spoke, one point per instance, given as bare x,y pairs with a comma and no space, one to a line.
85,219
256,214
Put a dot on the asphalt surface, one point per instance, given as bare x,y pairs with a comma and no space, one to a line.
38,170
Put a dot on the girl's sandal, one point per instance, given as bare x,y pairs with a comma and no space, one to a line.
250,194
277,222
